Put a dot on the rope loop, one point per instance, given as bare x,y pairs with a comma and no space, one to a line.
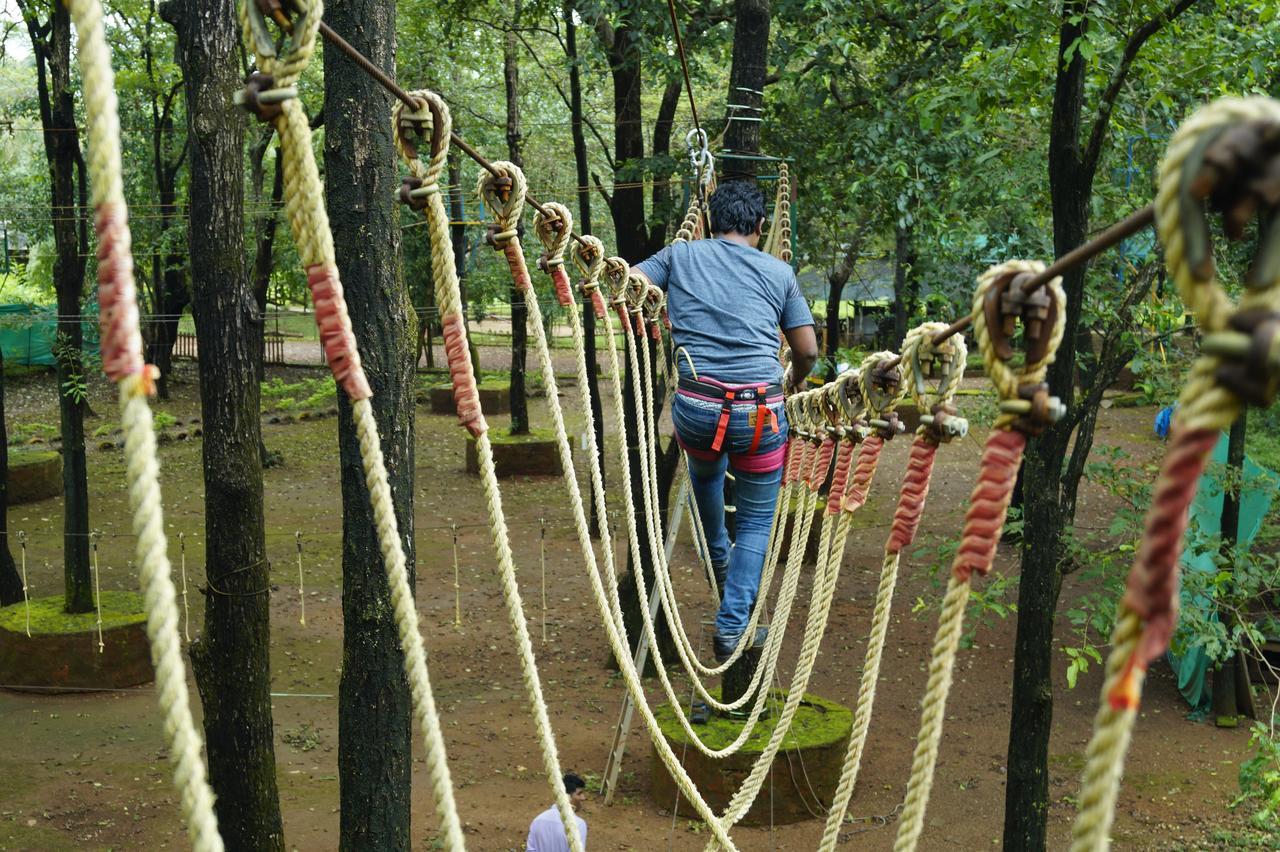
283,67
503,195
430,121
921,360
881,390
999,302
588,256
849,396
555,231
1219,152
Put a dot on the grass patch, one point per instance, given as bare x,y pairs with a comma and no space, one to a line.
817,723
47,618
304,395
22,433
20,456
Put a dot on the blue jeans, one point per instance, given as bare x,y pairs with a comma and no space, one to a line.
755,496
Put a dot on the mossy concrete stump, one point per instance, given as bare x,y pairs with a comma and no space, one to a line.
801,782
62,653
494,399
34,475
534,454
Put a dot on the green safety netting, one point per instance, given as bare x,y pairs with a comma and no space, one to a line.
27,334
1192,668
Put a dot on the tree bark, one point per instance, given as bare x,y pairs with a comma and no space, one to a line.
10,580
904,280
584,225
515,146
746,86
374,745
837,278
627,202
1048,487
231,660
52,46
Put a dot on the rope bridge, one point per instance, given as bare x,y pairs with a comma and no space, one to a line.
839,431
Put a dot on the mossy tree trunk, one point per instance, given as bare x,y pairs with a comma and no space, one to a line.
231,659
51,42
746,85
10,580
374,707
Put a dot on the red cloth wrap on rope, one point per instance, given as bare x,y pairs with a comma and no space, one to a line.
803,450
597,302
655,331
1152,588
121,341
983,523
624,317
515,262
863,472
844,460
792,458
336,336
564,290
915,488
465,398
818,473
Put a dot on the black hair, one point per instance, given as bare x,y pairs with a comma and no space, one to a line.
736,206
572,783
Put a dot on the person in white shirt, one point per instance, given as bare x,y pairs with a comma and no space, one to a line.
546,832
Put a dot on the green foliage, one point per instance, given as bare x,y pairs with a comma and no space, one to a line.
989,601
22,433
162,420
303,395
1260,781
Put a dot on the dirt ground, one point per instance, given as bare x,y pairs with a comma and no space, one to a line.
89,771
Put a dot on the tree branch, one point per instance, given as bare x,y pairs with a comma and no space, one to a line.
608,199
1107,101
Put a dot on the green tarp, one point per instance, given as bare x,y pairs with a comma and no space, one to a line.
27,333
1259,485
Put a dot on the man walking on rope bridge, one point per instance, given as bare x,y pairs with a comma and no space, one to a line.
546,832
726,300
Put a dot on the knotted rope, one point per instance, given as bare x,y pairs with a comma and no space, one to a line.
917,351
309,222
985,518
1210,403
123,364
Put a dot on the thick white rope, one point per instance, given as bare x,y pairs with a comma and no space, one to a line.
123,362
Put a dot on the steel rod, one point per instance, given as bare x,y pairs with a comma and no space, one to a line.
413,103
1127,227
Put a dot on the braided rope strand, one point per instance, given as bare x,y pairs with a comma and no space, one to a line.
122,361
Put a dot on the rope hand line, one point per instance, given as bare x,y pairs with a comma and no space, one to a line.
433,120
919,354
122,361
272,94
1026,408
1237,365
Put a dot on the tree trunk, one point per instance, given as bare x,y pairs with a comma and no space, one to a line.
52,44
627,202
231,660
458,236
10,580
374,733
904,278
837,278
584,225
515,145
746,86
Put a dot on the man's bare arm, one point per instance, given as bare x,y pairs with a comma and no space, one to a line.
804,353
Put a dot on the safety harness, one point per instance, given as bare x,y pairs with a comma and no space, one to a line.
729,395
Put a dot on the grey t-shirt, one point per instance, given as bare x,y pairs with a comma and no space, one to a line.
726,302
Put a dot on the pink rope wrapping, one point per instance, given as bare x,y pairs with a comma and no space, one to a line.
1152,587
989,503
564,290
915,489
121,341
466,399
336,337
819,471
515,262
863,472
790,468
844,459
597,302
